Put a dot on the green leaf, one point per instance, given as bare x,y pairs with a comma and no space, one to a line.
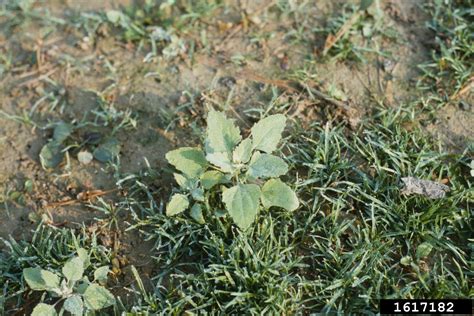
40,280
74,305
62,131
211,178
97,297
107,151
181,180
423,250
219,213
365,4
82,253
43,310
198,194
73,269
101,274
82,287
242,203
265,165
222,134
28,186
114,16
51,155
406,261
188,160
177,204
196,213
243,152
266,133
185,183
221,160
277,193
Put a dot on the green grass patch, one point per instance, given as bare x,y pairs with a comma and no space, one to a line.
356,238
449,74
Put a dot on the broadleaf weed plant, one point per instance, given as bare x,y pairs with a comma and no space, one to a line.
228,174
75,290
51,249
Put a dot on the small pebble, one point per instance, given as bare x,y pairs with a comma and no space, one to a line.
227,81
464,106
388,65
84,157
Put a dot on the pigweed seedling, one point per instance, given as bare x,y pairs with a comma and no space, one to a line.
78,293
52,153
135,28
229,173
107,147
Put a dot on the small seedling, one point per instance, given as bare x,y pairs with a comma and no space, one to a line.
78,293
52,153
229,173
106,148
134,28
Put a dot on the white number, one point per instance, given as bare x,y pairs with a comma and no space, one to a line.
414,310
424,304
441,307
397,307
450,308
432,310
406,307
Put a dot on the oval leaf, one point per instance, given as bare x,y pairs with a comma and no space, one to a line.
185,183
196,213
82,253
277,193
242,203
211,178
114,16
82,287
177,204
221,160
62,131
406,261
40,280
107,151
222,134
101,273
51,155
188,160
365,4
74,305
265,165
73,269
243,152
97,297
423,250
198,194
266,133
43,310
